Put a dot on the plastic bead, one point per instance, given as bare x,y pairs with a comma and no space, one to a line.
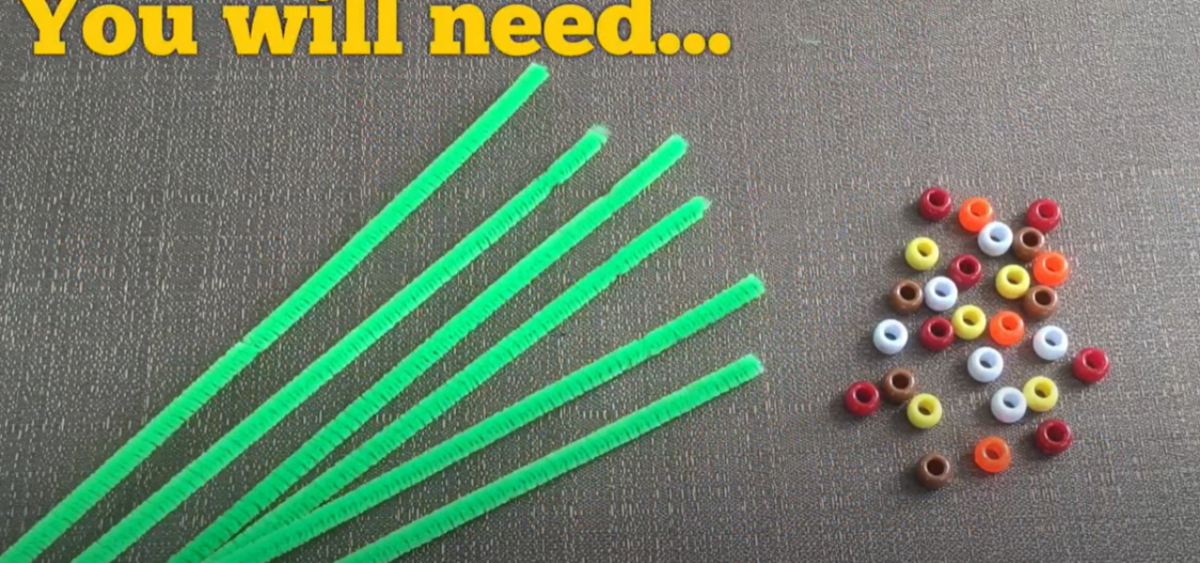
899,385
936,334
1053,436
1008,405
941,294
1040,303
921,254
934,471
993,455
995,239
969,322
985,365
1044,215
965,271
1012,282
1090,365
975,214
924,411
1027,243
1051,268
890,337
1050,343
1041,394
862,399
935,204
906,297
1006,328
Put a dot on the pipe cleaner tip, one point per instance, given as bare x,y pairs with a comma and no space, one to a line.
755,282
537,70
599,131
701,201
751,361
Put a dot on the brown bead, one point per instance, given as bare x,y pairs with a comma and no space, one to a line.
907,297
1040,303
899,385
934,471
1027,242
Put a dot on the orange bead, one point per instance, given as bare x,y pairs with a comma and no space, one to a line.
975,214
1007,328
993,455
1051,268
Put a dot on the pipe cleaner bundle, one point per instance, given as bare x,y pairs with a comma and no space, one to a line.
275,517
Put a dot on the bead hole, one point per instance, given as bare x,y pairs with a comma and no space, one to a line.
908,292
1009,323
1056,433
901,381
938,199
968,267
1014,278
1012,399
996,236
991,452
925,249
1042,390
939,330
1052,340
935,467
924,409
1046,210
1043,298
978,208
1090,361
1055,264
986,363
1031,239
891,335
970,320
863,395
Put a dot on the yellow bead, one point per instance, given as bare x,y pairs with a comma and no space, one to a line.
969,322
924,411
921,254
1012,282
1041,393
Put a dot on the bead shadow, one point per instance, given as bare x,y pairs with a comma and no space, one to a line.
899,426
910,486
837,408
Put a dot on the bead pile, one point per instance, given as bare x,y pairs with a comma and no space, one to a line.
1030,284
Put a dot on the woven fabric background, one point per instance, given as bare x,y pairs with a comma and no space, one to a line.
152,210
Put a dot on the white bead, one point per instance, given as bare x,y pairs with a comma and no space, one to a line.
890,337
1008,405
941,294
1050,343
985,364
995,239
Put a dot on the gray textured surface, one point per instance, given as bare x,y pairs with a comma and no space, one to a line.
152,210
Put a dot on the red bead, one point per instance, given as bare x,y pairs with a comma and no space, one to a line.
1053,436
862,398
936,334
965,271
935,204
1090,365
1044,215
